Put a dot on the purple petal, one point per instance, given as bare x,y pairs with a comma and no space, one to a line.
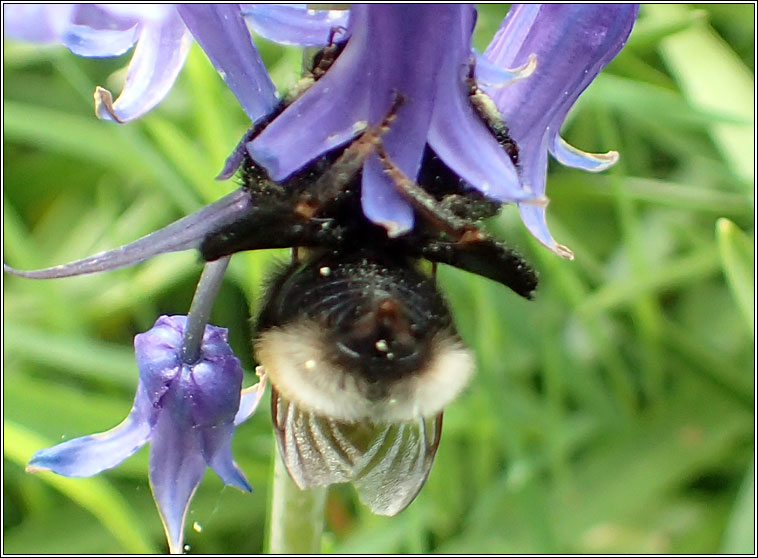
158,356
233,161
573,42
458,135
534,169
161,50
512,34
393,31
214,384
295,24
235,158
124,12
333,111
249,399
344,99
221,31
184,234
211,386
492,75
534,219
570,156
107,17
533,157
177,466
381,202
98,33
89,455
195,406
39,23
217,449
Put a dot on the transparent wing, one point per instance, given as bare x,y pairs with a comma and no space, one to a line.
387,463
391,477
305,446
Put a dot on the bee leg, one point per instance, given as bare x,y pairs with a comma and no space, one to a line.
317,66
439,215
485,257
487,110
327,55
470,249
332,183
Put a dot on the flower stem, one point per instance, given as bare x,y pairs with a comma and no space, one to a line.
200,311
297,516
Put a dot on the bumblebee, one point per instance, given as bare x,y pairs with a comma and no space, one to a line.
357,341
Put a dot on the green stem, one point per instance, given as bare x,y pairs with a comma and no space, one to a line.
200,310
297,516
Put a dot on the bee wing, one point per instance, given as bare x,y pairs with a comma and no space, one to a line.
305,444
387,463
391,476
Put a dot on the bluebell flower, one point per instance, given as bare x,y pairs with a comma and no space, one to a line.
422,53
188,413
162,35
573,42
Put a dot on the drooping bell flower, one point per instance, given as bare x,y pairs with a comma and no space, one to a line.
188,413
421,53
573,43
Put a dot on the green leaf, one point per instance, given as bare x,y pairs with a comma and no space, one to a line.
626,290
649,30
104,362
114,147
737,251
718,82
739,537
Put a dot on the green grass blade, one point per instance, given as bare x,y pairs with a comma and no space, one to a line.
740,532
93,494
737,258
718,82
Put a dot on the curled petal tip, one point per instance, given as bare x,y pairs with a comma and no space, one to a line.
570,156
226,173
30,468
563,251
540,200
527,69
605,160
237,479
250,397
533,217
491,75
104,105
395,229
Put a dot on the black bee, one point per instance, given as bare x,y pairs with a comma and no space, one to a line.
358,343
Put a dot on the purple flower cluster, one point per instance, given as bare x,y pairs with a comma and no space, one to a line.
536,66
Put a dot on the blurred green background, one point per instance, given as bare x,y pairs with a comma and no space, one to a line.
614,413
